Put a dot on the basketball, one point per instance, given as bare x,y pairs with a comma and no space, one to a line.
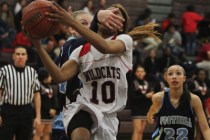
35,22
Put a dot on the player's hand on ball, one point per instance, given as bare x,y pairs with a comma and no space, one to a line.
34,41
23,29
60,15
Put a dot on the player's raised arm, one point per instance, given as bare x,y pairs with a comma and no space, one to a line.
59,75
62,16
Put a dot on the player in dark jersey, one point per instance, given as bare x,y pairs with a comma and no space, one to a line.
175,110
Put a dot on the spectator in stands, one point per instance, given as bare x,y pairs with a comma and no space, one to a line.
140,101
7,35
203,52
190,19
6,15
188,65
101,5
204,28
151,63
57,49
205,64
19,6
50,46
172,38
63,3
168,21
163,82
138,53
167,59
88,6
18,14
144,18
202,82
150,43
48,108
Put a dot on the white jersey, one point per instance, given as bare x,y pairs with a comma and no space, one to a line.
104,75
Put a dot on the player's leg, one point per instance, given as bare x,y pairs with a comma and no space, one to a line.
79,128
138,129
38,132
80,133
58,134
47,131
58,130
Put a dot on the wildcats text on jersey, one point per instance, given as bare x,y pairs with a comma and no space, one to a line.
102,72
168,120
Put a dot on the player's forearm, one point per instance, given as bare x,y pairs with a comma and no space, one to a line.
206,134
37,103
150,115
52,68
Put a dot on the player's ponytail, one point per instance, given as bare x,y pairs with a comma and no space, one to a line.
186,94
140,32
145,31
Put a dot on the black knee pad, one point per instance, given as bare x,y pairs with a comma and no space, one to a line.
81,119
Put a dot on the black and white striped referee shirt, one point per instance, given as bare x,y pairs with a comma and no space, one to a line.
18,85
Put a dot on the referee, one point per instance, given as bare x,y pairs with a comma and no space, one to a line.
19,86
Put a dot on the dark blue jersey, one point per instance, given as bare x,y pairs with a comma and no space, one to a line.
174,123
74,83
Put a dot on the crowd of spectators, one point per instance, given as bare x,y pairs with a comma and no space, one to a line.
185,43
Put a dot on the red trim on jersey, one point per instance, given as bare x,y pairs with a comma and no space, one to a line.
114,37
85,49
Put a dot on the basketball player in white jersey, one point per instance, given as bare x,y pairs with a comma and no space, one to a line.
103,64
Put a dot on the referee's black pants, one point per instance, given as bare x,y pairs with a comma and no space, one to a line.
16,121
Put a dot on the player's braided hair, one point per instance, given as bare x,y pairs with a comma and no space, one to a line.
140,32
186,97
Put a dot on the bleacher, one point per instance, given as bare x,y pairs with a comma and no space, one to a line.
126,126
